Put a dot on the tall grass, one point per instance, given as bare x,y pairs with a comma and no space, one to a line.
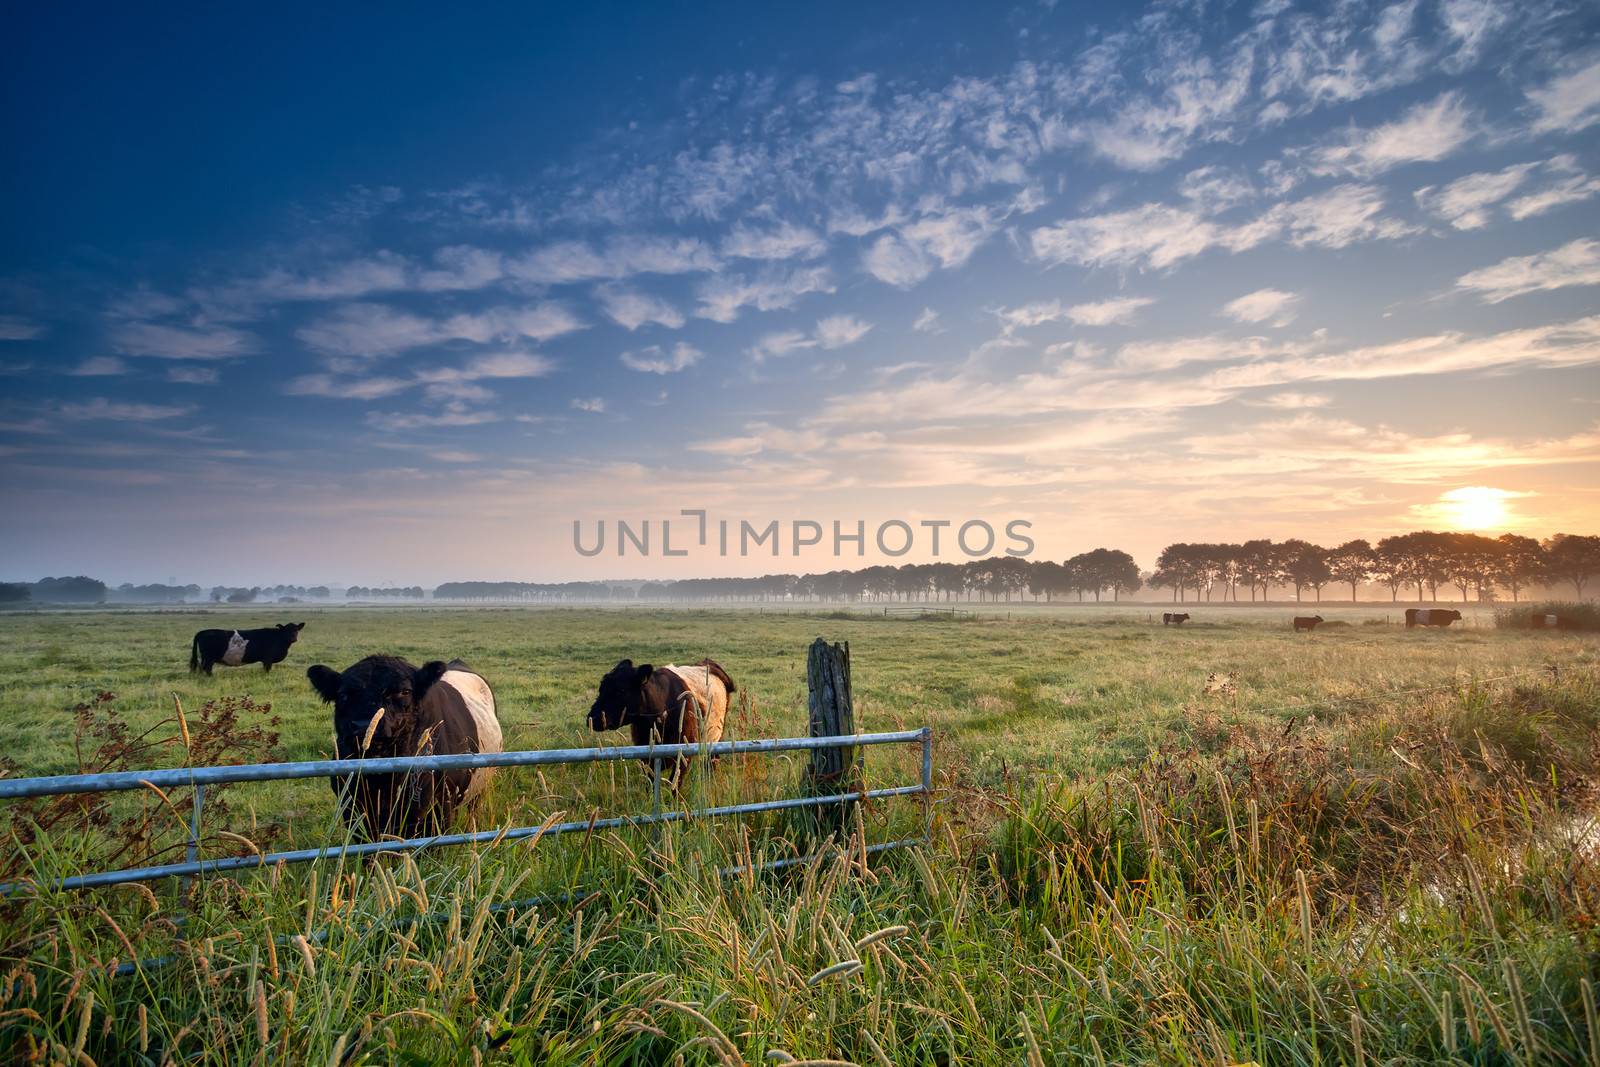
1413,884
1574,616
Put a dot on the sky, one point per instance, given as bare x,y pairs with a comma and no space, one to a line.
399,295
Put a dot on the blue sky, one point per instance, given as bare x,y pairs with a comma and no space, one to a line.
299,296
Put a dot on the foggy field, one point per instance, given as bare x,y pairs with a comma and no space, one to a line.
1072,688
1210,844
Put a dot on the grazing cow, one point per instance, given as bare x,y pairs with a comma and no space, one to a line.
1431,617
670,705
384,706
1169,618
234,648
1306,622
1544,621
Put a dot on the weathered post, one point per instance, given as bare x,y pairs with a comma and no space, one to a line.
832,715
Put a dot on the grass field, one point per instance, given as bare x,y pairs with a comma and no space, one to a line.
1222,842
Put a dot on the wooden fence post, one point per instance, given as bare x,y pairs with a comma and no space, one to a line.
832,715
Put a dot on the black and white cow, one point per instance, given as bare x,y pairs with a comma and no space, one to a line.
1548,621
235,648
1172,618
1431,617
384,706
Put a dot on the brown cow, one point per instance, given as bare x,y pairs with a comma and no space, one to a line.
1306,622
666,705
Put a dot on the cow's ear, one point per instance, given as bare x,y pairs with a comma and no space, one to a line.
325,680
643,672
426,677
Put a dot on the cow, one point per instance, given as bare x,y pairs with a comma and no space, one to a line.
1548,621
1306,622
1169,618
666,705
234,648
385,706
1431,617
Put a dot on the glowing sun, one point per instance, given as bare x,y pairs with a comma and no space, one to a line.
1477,507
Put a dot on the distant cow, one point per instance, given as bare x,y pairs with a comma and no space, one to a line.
1431,617
234,648
1545,621
1306,622
384,706
670,705
1169,618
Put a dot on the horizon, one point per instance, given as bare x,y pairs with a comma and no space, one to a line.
314,300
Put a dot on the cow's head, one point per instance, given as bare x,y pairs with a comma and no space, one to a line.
385,683
1316,618
290,630
621,696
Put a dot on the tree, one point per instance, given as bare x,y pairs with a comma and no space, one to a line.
1521,562
75,590
1473,561
1353,562
1257,565
15,592
1303,564
1573,559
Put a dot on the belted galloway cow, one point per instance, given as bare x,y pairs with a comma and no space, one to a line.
235,648
1440,617
1172,618
384,706
668,705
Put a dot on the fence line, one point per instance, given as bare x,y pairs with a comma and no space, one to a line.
200,777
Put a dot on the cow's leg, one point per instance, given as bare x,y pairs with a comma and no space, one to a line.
207,664
266,665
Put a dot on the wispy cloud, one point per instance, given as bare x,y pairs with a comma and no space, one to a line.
1159,236
333,388
162,341
123,411
1574,263
927,322
593,404
377,330
1467,203
631,308
193,375
1425,133
18,328
783,240
723,297
1570,101
1262,305
656,360
836,331
619,257
99,366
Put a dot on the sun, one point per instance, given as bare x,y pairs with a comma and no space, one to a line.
1477,507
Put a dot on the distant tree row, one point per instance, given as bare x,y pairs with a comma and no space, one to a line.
534,591
362,592
1089,574
1475,565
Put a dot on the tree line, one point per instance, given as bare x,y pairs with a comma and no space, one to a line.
1484,567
